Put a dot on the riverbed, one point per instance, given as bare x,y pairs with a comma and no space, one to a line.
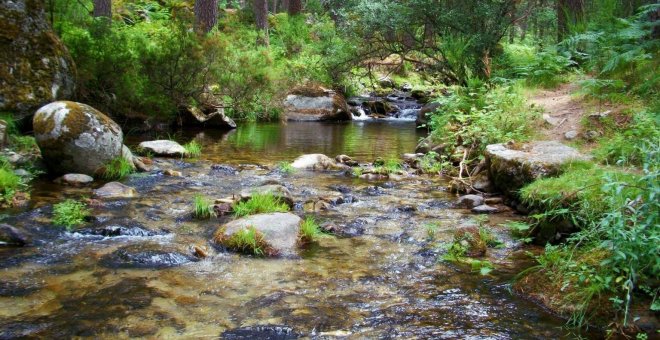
382,276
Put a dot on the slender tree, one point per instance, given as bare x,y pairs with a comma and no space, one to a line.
261,18
295,7
103,8
206,15
569,13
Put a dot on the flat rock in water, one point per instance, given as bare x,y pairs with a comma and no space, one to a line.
146,256
280,232
470,201
76,180
511,167
485,209
270,332
317,161
165,148
11,236
278,191
115,190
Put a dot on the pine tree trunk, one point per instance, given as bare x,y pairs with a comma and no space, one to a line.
569,13
261,17
295,7
103,8
206,15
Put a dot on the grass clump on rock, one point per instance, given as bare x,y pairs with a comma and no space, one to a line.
309,230
117,168
193,149
286,168
203,207
260,204
248,240
70,213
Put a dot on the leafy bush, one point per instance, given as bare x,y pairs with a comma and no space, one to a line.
118,168
203,207
70,213
545,68
260,204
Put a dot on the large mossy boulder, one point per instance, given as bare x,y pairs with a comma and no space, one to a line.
275,234
316,104
76,138
35,67
513,166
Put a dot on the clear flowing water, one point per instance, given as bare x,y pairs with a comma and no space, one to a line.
384,278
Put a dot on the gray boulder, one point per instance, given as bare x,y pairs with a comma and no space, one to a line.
115,190
11,236
470,201
278,233
75,180
164,148
35,67
76,138
485,209
422,119
511,167
316,104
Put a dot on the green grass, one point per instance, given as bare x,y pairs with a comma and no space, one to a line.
309,230
9,182
248,240
203,207
286,168
117,168
69,214
431,165
431,230
357,171
23,143
193,149
260,204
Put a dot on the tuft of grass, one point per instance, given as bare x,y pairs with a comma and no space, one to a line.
24,143
286,168
392,166
309,230
357,171
259,204
193,149
70,213
430,164
431,230
203,207
117,168
9,181
248,240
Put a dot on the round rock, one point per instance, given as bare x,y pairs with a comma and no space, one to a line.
164,148
115,190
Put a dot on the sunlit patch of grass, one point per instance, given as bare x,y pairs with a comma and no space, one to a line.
193,149
70,213
248,240
260,204
203,207
309,230
117,168
286,168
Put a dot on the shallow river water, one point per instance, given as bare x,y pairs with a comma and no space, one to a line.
382,278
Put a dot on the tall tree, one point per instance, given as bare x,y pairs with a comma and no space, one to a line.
261,18
569,13
103,8
206,15
295,7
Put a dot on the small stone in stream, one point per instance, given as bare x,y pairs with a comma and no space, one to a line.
341,188
374,177
388,185
200,252
222,209
173,173
493,200
12,236
344,159
166,148
272,332
143,164
115,190
470,201
406,208
222,169
485,209
570,135
76,180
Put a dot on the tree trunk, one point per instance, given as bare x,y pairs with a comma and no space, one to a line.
295,7
569,13
261,18
524,24
206,15
285,6
103,8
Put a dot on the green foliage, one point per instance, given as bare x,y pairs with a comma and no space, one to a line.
309,230
203,207
23,143
469,243
432,163
520,230
260,204
545,68
357,171
70,213
193,149
627,146
475,116
248,240
118,168
431,230
9,182
286,168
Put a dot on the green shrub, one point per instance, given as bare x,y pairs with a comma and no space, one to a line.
260,204
626,147
309,230
117,168
432,163
69,214
202,207
193,149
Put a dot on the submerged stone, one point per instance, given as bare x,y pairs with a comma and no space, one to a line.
270,332
115,190
146,256
12,236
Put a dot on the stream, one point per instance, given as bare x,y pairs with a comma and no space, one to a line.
130,271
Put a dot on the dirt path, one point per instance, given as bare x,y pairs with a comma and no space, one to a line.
562,113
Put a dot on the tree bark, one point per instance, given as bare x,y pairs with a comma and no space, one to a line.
569,13
261,18
295,7
103,8
206,15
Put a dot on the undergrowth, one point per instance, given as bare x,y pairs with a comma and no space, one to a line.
70,214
